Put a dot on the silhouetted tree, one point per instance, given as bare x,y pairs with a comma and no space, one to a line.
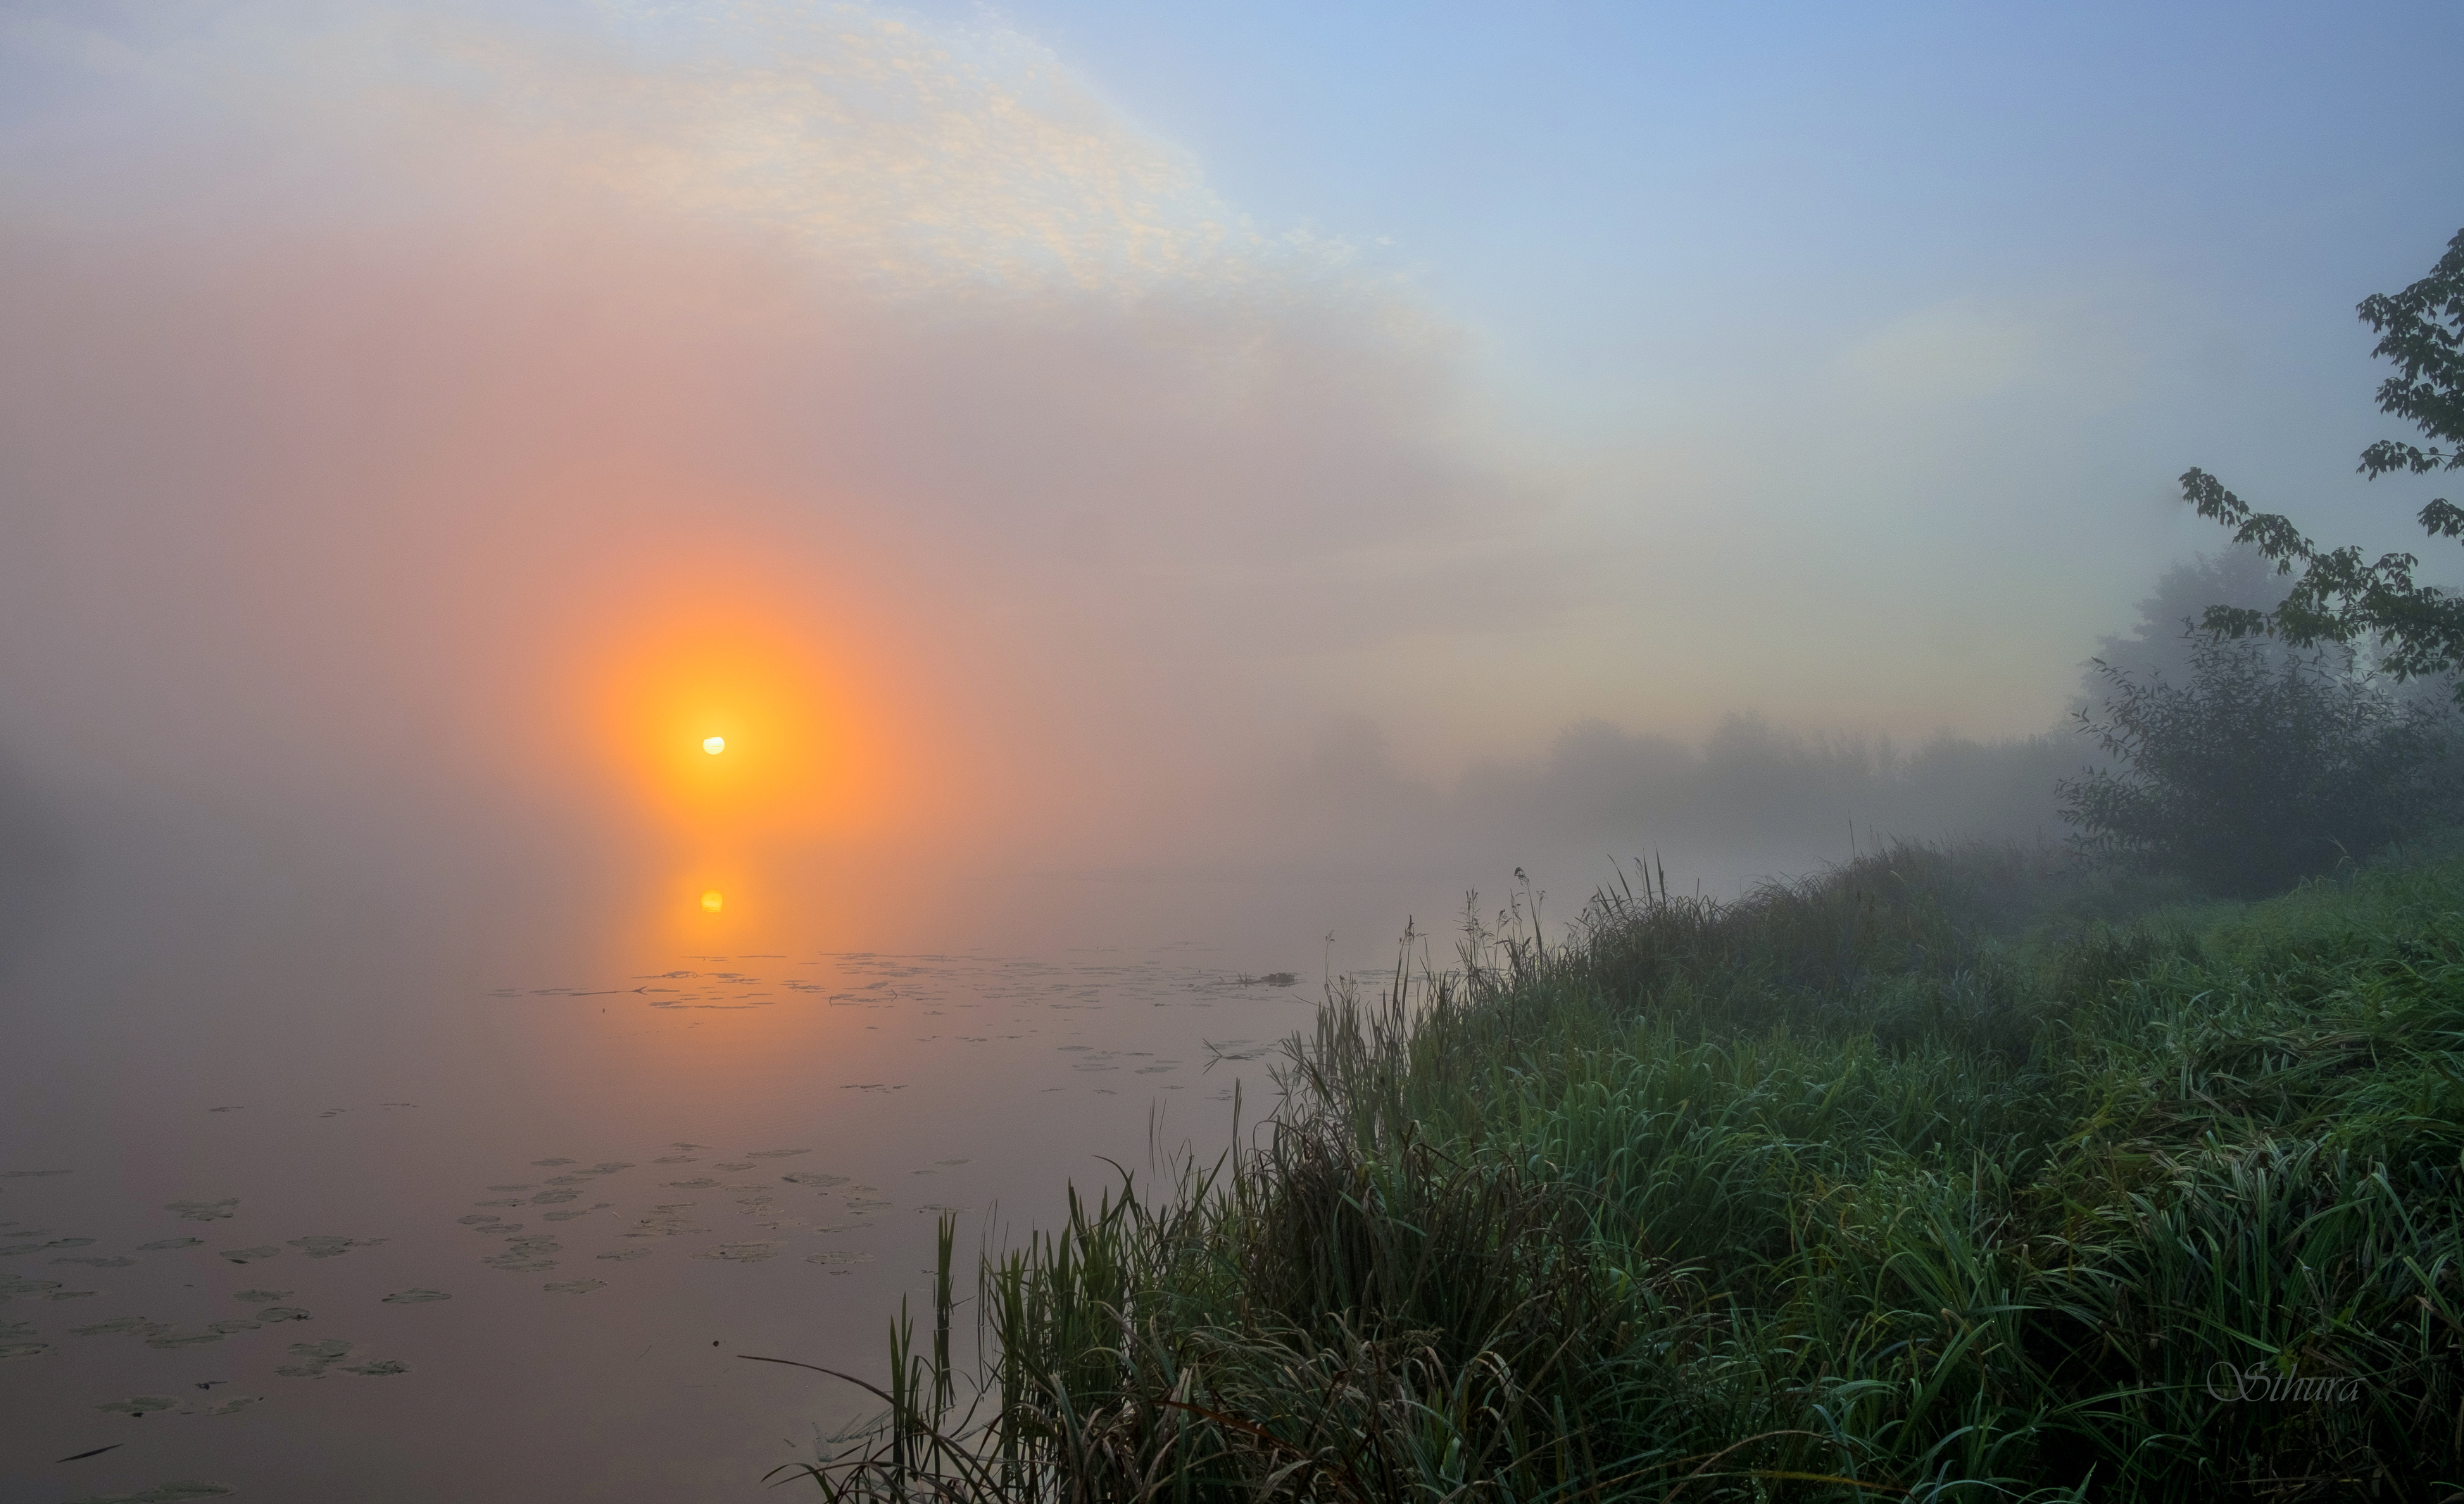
2255,768
2416,630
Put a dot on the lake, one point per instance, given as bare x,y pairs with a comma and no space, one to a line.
317,1187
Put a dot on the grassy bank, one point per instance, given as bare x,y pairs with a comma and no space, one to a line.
1945,1173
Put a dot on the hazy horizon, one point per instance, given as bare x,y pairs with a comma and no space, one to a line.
427,417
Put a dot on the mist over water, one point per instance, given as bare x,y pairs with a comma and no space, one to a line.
421,427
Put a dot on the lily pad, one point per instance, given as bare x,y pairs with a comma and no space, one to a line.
165,1492
742,1252
9,1350
142,1404
234,1404
553,1162
273,1314
775,1154
322,1246
315,1358
111,1328
381,1368
184,1339
415,1297
627,1256
236,1324
206,1211
115,1261
251,1255
260,1297
814,1178
549,1198
478,1219
160,1244
576,1286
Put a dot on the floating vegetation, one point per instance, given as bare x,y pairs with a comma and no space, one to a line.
838,1260
678,1159
478,1219
320,1246
730,1166
611,1166
381,1368
774,1154
273,1314
815,1179
166,1493
206,1211
576,1286
742,1252
9,1350
235,1324
666,1221
141,1406
37,1248
415,1297
249,1255
509,1201
184,1339
626,1255
26,1286
533,1186
549,1198
315,1358
164,1245
233,1405
260,1297
116,1261
552,1163
703,1184
112,1328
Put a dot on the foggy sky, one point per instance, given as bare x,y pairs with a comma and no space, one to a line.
388,388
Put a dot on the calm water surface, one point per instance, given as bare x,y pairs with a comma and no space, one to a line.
307,1203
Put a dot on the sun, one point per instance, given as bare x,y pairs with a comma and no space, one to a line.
713,901
713,745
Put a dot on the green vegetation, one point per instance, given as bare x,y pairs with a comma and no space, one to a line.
1946,1174
2416,630
2259,768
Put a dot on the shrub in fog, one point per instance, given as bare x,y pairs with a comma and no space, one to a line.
2253,769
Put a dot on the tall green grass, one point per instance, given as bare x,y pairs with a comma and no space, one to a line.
1946,1174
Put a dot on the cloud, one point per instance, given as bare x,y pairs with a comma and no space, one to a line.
391,368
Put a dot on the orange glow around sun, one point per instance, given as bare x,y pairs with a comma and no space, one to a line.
742,728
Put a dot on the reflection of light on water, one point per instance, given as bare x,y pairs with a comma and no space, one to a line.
713,901
713,745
